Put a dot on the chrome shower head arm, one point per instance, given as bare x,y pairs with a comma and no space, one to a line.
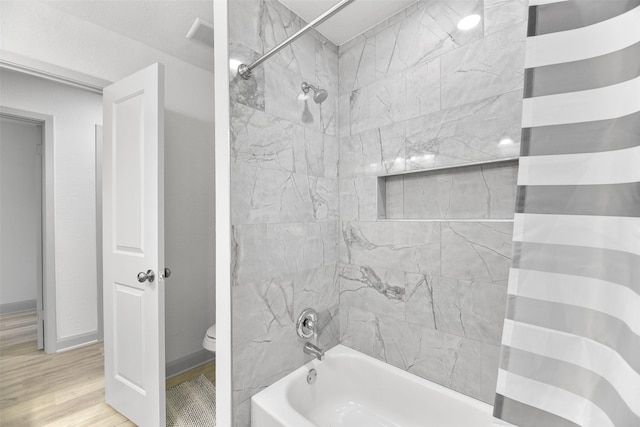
306,86
319,95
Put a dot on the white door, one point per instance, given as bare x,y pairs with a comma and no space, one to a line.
133,244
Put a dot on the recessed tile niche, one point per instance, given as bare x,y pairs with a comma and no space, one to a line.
476,191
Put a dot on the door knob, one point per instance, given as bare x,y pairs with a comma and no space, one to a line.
143,277
166,274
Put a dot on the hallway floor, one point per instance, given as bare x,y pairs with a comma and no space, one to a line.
64,389
38,389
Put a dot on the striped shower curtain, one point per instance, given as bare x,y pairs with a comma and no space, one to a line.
571,342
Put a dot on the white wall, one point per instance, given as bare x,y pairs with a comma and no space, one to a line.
75,113
19,206
38,31
189,233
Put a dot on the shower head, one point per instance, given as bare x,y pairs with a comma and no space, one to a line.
319,95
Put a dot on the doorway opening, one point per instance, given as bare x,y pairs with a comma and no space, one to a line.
26,195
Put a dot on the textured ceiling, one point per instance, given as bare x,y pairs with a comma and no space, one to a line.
160,24
351,21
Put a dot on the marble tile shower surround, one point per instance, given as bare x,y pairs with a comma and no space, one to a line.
416,93
256,26
409,94
284,197
457,135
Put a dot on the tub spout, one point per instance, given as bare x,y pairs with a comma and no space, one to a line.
314,351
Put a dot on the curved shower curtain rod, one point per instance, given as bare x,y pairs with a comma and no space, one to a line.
244,70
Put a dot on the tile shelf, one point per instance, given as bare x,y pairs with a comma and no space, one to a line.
470,192
474,220
456,166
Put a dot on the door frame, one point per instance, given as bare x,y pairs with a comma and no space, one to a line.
47,294
224,359
99,260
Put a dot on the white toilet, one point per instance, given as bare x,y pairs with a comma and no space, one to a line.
209,342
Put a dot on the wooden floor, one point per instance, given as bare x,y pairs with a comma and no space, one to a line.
64,389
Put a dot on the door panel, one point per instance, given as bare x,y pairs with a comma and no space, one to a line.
133,227
129,335
129,167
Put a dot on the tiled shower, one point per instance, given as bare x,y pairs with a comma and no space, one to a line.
388,208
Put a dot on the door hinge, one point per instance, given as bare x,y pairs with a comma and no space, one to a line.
40,316
38,148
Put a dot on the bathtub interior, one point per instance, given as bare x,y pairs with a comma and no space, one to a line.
352,389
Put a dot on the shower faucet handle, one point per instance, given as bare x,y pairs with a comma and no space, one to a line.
309,323
306,324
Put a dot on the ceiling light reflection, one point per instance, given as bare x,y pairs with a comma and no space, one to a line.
468,22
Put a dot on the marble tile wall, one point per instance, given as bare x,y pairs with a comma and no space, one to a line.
417,93
284,197
428,297
410,94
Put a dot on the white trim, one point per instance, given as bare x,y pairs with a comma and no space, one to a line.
223,214
23,64
99,259
551,399
585,42
608,167
587,292
604,103
578,351
77,341
606,232
48,223
39,246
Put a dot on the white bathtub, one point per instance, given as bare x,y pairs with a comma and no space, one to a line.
355,390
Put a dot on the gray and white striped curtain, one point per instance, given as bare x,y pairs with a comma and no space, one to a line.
571,342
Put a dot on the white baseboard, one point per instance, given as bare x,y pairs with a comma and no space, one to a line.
76,341
188,362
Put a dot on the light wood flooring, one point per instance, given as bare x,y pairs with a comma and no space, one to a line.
64,389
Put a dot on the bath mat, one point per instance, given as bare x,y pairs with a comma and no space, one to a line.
192,404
